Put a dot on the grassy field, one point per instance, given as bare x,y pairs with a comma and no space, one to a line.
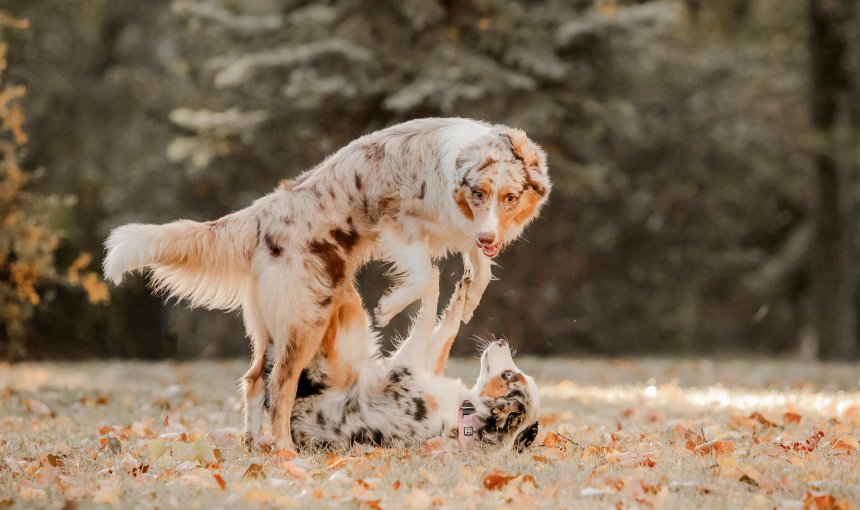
656,433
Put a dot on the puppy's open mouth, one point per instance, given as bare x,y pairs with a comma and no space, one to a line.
491,250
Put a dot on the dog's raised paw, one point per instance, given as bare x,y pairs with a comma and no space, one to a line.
382,318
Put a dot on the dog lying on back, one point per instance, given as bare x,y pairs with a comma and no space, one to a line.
405,399
405,194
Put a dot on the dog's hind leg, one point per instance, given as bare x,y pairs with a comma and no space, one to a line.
479,268
291,356
446,330
413,350
253,385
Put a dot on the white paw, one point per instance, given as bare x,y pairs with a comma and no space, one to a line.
472,300
383,316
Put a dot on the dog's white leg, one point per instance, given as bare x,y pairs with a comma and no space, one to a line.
410,256
252,382
413,350
479,267
297,353
446,330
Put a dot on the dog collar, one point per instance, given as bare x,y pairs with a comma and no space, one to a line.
466,431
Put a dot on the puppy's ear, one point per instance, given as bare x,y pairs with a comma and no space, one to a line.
526,437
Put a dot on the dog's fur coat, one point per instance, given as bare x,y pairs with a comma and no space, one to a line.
406,399
405,194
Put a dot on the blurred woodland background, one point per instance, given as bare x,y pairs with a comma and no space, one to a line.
705,158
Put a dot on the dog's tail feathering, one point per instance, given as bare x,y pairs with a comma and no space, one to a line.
207,264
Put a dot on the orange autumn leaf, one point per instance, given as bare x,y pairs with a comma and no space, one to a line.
790,417
220,480
761,419
496,479
823,501
692,439
630,459
844,445
530,479
432,447
295,471
254,471
717,447
553,440
597,450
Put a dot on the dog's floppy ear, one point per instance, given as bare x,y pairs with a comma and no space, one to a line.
526,437
533,158
524,150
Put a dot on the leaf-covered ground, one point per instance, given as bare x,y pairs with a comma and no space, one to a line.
643,433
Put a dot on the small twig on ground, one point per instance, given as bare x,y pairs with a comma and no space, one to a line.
756,432
568,440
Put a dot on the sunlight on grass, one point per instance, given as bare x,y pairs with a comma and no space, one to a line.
647,433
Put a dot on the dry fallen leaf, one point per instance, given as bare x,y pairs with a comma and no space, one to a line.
555,440
156,447
495,480
647,459
37,407
268,498
295,471
254,471
844,445
430,477
717,447
432,447
108,494
761,419
220,480
823,501
794,460
418,499
790,417
129,463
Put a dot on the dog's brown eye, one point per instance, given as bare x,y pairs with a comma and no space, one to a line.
478,194
508,375
510,198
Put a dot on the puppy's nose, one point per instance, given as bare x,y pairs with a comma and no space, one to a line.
502,343
486,237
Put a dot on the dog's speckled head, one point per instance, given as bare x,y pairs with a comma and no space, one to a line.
505,182
508,403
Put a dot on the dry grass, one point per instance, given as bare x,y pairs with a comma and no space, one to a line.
72,434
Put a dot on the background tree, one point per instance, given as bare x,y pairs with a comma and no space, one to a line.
29,275
834,209
679,133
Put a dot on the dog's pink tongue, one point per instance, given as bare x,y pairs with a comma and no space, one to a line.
491,251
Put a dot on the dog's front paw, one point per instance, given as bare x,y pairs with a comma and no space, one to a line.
472,300
382,316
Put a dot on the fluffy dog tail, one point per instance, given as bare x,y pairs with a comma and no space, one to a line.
207,264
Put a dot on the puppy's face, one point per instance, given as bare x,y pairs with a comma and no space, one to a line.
509,400
504,184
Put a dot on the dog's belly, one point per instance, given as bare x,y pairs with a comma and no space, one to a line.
399,415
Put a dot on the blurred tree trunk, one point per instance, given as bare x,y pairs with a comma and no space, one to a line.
833,264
